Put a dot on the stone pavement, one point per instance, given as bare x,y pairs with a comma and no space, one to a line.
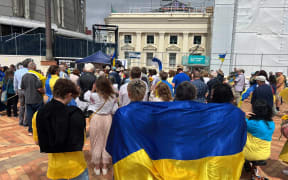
20,158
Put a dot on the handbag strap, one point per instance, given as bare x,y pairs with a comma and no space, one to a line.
101,106
97,110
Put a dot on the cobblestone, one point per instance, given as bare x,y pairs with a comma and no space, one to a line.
20,158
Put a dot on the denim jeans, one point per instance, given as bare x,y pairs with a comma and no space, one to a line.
83,176
30,110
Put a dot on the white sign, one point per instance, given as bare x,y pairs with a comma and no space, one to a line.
124,63
134,55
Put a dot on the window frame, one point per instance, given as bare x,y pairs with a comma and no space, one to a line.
170,64
196,42
129,41
147,60
170,40
147,39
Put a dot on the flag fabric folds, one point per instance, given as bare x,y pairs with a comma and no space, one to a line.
246,94
259,137
158,61
177,141
49,85
222,57
114,59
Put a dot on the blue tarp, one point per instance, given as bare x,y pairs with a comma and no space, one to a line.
98,57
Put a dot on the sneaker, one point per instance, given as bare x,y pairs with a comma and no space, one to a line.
104,172
97,172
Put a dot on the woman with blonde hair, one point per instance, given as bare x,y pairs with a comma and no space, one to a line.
162,93
103,103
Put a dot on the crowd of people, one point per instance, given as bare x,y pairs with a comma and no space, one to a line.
98,93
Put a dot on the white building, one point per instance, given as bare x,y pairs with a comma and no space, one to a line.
171,34
254,32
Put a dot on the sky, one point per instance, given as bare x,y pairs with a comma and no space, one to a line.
97,10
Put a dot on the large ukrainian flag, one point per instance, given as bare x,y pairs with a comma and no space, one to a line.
177,141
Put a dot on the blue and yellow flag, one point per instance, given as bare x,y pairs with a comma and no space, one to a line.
49,85
39,76
259,137
177,141
222,57
114,59
246,94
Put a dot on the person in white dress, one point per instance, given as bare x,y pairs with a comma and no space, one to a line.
103,102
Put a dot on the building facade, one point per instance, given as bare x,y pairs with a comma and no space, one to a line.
65,14
171,37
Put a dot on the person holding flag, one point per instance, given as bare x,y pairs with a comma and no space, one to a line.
176,140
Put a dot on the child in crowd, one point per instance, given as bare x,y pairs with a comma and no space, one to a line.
260,127
162,93
103,102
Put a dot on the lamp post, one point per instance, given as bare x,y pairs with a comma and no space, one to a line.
48,31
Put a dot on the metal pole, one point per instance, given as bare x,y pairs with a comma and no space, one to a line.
116,42
261,61
233,34
16,48
235,60
87,47
94,37
40,44
48,31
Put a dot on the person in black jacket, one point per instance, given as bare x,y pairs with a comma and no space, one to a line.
59,130
216,80
86,80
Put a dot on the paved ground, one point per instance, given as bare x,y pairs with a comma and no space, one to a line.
20,158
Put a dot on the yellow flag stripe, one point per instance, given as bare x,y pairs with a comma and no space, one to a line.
138,166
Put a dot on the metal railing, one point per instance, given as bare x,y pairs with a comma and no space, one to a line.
34,44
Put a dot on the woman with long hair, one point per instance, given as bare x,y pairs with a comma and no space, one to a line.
260,128
103,103
162,93
12,98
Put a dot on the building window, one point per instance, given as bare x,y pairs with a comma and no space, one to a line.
150,39
127,39
197,39
172,59
173,39
149,57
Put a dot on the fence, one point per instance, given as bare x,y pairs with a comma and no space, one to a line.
35,44
252,62
249,62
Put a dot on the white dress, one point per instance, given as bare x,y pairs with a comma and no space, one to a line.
100,125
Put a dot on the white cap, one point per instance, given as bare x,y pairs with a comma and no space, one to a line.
89,67
260,78
107,68
280,71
